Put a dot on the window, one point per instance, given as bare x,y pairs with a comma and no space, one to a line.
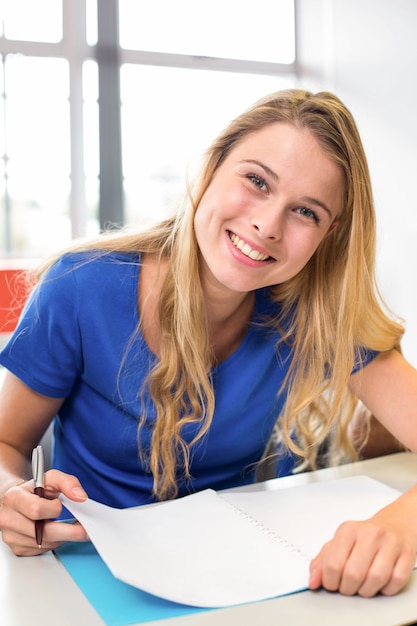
107,105
38,150
25,20
164,135
45,190
235,29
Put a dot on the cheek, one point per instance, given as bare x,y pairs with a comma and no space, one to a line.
204,224
208,216
222,202
308,237
201,219
205,206
305,244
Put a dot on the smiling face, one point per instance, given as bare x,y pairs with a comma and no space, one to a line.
270,203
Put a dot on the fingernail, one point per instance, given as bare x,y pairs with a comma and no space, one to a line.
79,493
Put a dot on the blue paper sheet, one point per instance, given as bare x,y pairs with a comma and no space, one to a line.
117,603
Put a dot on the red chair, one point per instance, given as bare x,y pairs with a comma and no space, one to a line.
14,289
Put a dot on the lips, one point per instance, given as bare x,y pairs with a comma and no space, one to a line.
246,249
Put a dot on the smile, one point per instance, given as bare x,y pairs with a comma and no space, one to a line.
245,248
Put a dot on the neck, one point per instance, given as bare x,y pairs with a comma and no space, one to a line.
228,321
222,310
228,313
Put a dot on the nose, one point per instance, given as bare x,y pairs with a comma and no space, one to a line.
267,221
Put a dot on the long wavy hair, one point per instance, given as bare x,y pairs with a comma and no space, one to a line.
333,303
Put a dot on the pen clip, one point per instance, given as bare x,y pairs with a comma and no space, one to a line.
38,466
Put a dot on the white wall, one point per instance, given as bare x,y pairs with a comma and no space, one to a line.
366,52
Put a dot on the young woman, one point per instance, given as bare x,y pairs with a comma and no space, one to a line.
167,359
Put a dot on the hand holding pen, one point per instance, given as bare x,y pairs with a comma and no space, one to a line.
18,501
38,472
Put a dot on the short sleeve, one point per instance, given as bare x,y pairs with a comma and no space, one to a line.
363,356
48,335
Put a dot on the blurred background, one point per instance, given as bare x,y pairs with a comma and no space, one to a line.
107,106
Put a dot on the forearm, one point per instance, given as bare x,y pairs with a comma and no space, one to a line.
25,415
14,468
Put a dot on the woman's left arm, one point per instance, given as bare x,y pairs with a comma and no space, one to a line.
387,386
378,555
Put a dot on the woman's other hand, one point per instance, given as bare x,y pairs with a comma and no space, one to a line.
372,556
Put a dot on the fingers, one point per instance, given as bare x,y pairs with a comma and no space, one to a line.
23,543
20,508
316,573
21,499
363,559
57,482
401,573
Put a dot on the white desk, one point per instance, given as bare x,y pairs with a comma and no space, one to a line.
40,592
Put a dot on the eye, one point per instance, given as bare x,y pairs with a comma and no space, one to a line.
308,213
258,181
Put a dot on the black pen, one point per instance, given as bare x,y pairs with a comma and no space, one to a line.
38,469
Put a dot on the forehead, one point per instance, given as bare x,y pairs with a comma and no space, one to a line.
279,137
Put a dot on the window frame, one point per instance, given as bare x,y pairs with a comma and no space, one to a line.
110,56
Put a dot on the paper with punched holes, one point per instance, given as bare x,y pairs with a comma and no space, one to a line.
215,549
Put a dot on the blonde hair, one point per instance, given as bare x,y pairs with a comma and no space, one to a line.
333,303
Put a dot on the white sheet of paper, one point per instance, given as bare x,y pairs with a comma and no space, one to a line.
221,549
308,515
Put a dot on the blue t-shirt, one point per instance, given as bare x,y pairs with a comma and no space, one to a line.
76,340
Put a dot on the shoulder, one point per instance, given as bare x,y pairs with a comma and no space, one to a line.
91,268
91,262
88,279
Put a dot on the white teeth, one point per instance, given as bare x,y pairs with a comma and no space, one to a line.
246,249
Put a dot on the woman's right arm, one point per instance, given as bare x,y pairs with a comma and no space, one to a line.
24,417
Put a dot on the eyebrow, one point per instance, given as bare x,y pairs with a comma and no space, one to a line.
275,176
263,166
320,204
